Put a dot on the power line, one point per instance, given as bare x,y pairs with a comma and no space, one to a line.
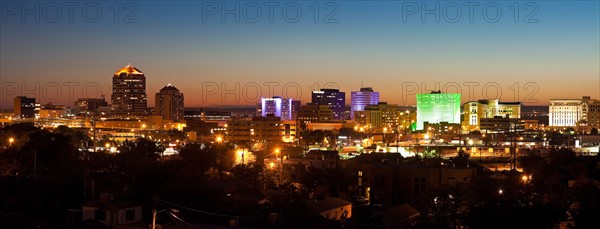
173,217
211,213
180,219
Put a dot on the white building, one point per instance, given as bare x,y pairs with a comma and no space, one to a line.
567,112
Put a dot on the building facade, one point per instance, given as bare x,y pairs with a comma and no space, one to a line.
261,129
129,92
501,125
474,111
313,113
379,116
437,107
594,114
286,109
89,105
169,103
24,107
334,99
360,99
568,112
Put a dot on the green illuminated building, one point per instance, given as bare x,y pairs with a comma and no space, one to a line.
438,107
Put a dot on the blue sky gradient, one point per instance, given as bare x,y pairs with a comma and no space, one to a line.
369,45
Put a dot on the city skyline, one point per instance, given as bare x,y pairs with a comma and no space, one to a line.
380,46
299,114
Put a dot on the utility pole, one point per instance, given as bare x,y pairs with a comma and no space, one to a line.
154,200
34,163
513,135
281,168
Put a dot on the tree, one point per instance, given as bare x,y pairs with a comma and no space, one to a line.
248,173
198,158
461,159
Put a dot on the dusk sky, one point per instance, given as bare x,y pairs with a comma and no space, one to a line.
380,44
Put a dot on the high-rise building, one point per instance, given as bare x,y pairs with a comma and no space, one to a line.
474,111
286,109
129,92
169,103
360,99
567,112
296,105
334,99
24,107
438,107
271,106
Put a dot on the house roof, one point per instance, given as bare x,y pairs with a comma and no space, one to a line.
404,211
112,205
330,203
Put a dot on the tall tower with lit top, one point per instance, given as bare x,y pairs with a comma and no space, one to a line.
129,92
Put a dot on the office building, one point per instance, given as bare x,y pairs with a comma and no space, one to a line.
89,105
334,99
568,112
286,109
437,107
313,113
261,129
381,115
169,103
360,99
129,92
24,107
474,111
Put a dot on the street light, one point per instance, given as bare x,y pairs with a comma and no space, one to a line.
10,141
277,153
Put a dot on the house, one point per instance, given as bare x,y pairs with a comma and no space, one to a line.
106,182
401,216
111,212
334,209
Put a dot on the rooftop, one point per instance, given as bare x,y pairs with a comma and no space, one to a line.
129,70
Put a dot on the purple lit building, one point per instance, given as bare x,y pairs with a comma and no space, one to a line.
287,109
360,99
